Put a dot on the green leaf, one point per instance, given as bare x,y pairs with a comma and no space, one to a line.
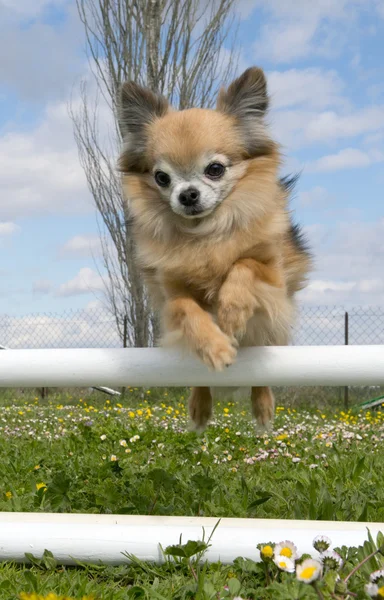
210,590
186,550
162,479
203,483
136,592
380,541
259,501
364,513
32,580
37,562
358,468
234,586
5,584
49,560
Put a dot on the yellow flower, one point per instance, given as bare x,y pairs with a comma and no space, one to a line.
281,437
36,467
8,495
131,414
139,412
226,410
308,571
287,549
50,596
41,485
226,430
266,551
284,564
380,592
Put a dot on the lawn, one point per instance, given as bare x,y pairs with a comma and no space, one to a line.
137,457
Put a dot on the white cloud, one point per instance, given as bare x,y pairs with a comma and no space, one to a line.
245,8
297,29
8,228
380,8
43,59
86,281
30,9
349,158
303,127
88,328
354,292
349,260
40,171
81,246
43,286
313,87
331,125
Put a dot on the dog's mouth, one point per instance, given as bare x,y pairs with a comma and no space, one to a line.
195,212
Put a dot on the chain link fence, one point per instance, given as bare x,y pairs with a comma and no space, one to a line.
320,325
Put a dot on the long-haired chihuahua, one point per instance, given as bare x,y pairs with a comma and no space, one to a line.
219,252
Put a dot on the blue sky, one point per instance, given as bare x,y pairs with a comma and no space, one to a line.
324,63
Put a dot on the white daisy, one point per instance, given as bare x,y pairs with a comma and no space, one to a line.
309,570
376,576
331,560
372,589
284,564
286,549
321,543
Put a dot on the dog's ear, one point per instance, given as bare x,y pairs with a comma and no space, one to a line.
137,107
247,100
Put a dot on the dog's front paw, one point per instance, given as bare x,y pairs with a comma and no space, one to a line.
234,311
215,349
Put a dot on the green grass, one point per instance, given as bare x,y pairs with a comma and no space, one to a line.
139,458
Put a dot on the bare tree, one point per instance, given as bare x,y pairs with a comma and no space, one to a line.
174,47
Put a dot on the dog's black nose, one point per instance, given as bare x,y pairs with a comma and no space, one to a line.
189,197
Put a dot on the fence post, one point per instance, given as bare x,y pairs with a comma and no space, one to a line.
125,339
346,342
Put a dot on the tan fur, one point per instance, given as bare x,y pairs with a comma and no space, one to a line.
229,278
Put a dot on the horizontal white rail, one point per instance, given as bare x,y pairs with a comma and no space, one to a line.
293,365
93,538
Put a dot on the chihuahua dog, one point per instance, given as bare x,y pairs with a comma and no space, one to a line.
219,253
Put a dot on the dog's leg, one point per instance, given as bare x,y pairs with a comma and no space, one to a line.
250,286
200,407
254,306
185,321
263,408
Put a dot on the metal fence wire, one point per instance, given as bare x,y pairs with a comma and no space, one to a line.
316,325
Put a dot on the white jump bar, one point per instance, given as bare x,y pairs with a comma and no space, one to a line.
292,365
94,538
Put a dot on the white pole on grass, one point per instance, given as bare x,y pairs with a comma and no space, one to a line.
105,390
292,365
94,538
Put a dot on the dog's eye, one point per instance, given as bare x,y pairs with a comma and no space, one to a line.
215,170
162,179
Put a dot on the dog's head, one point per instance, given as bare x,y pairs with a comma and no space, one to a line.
193,159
